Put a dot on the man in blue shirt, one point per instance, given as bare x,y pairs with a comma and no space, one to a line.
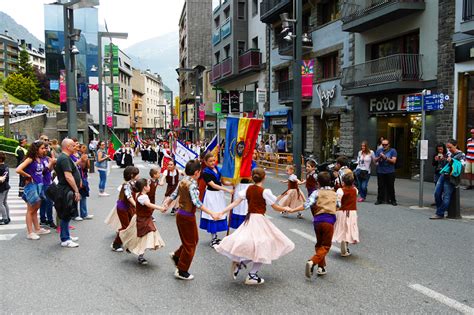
386,158
281,145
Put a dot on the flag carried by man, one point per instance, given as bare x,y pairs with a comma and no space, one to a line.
241,139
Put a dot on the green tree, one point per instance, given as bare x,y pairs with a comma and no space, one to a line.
22,87
24,66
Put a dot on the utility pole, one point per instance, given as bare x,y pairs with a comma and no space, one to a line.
297,53
70,63
6,116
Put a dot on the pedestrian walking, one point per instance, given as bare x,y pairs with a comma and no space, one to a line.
469,170
141,234
439,160
449,179
258,240
67,194
171,177
323,204
293,196
20,154
125,207
4,189
365,159
32,169
84,166
386,158
346,230
214,199
188,194
102,166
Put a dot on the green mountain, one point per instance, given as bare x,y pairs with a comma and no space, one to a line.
17,31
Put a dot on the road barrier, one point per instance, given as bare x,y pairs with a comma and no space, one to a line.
275,161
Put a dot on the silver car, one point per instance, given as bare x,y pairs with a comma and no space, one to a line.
24,110
11,108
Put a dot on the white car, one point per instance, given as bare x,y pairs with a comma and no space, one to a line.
24,110
11,108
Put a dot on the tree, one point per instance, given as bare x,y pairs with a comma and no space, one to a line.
21,87
24,66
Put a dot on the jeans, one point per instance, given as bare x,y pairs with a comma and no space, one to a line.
46,210
436,177
83,207
443,192
4,210
64,224
362,184
386,187
102,181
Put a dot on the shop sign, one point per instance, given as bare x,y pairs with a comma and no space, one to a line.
225,101
279,122
325,97
386,104
234,101
210,125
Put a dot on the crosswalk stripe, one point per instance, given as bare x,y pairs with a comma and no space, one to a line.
18,211
16,201
12,227
7,237
15,218
17,206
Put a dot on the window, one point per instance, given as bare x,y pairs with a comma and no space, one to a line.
227,51
217,22
407,44
226,13
241,46
217,57
329,66
282,75
254,7
255,42
328,12
241,10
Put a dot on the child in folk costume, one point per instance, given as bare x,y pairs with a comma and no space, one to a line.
346,230
188,194
127,156
311,181
153,156
292,197
171,177
257,240
323,204
141,234
239,213
213,199
154,183
166,156
340,169
125,208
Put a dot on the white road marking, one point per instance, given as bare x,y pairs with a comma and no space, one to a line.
311,238
465,309
18,211
16,201
7,237
16,218
17,206
12,227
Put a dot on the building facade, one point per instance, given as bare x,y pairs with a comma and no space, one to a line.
194,59
37,56
9,52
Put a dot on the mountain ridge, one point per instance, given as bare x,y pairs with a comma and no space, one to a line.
18,31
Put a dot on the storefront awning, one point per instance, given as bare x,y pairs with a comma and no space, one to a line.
95,131
287,113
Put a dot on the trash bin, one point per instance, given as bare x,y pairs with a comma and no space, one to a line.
92,164
454,210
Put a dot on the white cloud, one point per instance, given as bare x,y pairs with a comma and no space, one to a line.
141,19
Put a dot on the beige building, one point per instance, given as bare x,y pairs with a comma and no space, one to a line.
37,56
8,54
138,94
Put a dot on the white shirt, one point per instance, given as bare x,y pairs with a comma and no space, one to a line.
142,199
268,148
293,178
364,161
269,197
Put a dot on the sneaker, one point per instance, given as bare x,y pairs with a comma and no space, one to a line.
360,200
116,248
321,271
309,269
378,203
88,217
33,236
6,221
254,279
436,217
78,219
183,275
72,227
104,194
44,223
69,244
174,259
43,231
52,225
173,211
299,215
142,260
74,238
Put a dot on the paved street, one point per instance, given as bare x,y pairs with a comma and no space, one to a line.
404,263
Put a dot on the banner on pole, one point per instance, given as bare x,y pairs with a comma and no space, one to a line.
183,154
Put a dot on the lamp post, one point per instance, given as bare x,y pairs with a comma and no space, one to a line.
164,127
72,35
171,109
6,116
102,107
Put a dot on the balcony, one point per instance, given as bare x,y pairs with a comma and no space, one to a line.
394,73
226,67
216,37
359,18
285,48
216,72
286,93
251,60
270,10
226,29
467,24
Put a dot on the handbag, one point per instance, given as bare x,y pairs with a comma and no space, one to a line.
363,174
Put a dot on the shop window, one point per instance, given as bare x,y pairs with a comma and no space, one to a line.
328,11
406,44
329,66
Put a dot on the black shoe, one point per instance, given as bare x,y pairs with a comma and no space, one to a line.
468,187
183,275
116,247
215,242
394,203
6,221
142,260
378,203
173,211
174,259
52,225
44,223
2,222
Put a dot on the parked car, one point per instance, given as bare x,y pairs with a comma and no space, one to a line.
11,108
40,108
24,110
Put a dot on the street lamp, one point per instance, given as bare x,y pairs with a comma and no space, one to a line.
6,115
102,108
298,39
72,35
164,127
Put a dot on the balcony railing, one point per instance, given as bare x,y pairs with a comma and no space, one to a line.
467,10
226,66
226,29
250,60
285,91
216,72
395,68
361,17
270,9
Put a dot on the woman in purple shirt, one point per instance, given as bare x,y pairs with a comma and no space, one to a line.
32,169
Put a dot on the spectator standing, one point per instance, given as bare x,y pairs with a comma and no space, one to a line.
281,145
102,165
69,181
20,153
449,179
386,158
4,188
439,160
365,158
84,164
46,208
469,171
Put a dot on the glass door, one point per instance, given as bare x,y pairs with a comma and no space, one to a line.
398,134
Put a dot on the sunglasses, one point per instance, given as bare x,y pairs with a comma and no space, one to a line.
384,144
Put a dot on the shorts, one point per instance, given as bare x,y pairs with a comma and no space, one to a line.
33,193
469,169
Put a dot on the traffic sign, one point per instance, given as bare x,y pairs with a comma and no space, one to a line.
414,103
217,107
431,102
